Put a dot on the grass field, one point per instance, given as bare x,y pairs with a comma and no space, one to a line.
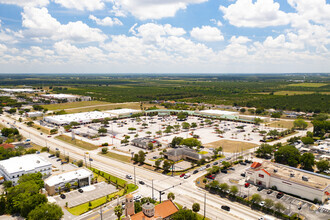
314,85
78,143
67,105
298,93
285,124
231,146
106,176
42,129
117,157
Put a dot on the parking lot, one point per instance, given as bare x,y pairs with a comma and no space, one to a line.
57,167
89,193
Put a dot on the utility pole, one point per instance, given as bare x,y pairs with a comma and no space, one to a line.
101,212
152,186
204,205
134,177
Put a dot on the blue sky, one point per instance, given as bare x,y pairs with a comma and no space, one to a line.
164,36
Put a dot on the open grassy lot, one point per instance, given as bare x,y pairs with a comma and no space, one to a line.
41,128
73,105
285,124
107,176
314,85
231,146
298,93
78,143
117,157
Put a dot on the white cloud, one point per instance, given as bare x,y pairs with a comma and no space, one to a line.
155,9
41,25
239,40
216,22
261,13
22,3
206,33
81,5
107,21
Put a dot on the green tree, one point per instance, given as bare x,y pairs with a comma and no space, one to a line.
184,214
102,130
323,165
136,158
35,177
182,116
288,155
233,190
196,207
142,156
57,153
258,120
185,125
256,198
307,140
176,141
279,207
30,123
68,186
104,150
264,150
171,196
307,161
118,211
80,163
269,203
223,187
191,142
300,124
194,125
166,166
31,203
46,211
157,163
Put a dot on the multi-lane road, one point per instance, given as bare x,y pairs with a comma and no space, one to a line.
184,189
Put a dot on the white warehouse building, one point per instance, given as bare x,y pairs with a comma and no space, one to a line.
123,112
82,118
290,180
15,167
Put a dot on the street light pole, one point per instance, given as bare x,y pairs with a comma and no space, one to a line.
134,177
204,205
152,186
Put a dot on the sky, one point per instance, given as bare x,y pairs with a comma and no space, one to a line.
164,36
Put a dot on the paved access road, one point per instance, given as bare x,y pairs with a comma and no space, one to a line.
186,193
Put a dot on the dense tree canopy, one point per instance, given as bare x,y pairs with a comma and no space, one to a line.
288,155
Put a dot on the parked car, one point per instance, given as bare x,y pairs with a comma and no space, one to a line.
59,159
182,175
243,174
269,191
52,155
141,182
210,177
279,195
224,207
243,163
247,185
129,177
215,163
231,168
262,203
260,188
202,168
244,196
224,171
187,176
80,190
195,171
62,196
208,165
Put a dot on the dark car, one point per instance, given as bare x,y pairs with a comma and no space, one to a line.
260,188
62,196
80,190
244,196
231,168
224,207
279,195
224,171
52,155
269,191
59,159
64,162
195,171
243,174
243,163
141,182
208,165
215,163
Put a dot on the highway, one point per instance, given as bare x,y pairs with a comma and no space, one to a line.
186,193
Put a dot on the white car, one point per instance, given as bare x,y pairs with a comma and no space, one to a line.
262,203
129,177
187,176
202,168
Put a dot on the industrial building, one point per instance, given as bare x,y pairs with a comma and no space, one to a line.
212,112
144,142
82,118
68,97
253,117
18,90
15,167
82,177
290,180
33,114
183,153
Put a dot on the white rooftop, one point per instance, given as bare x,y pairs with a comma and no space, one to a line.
218,112
59,96
123,111
18,90
83,117
254,116
23,163
68,176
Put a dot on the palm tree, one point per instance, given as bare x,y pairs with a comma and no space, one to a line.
171,196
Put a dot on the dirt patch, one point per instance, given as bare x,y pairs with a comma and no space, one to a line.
231,146
285,124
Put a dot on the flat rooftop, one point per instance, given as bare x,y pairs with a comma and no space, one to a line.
283,172
123,111
218,112
68,176
23,163
60,96
77,117
18,90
